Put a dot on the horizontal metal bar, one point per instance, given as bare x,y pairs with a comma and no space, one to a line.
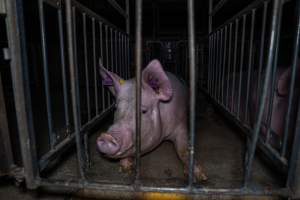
127,191
67,142
245,11
92,14
118,8
54,3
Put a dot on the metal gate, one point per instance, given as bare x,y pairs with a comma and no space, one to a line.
81,31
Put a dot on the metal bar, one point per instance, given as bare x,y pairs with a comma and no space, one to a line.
2,7
224,66
213,64
112,51
262,43
250,61
216,64
128,56
241,66
292,83
128,17
118,8
95,67
272,48
20,81
138,64
63,65
193,89
101,55
122,58
51,134
76,64
87,84
125,190
116,54
229,64
272,89
209,63
120,52
107,59
210,7
234,64
71,20
220,86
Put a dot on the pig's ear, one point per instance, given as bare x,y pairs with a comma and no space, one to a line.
154,77
110,79
285,80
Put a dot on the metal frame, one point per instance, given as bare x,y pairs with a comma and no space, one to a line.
33,166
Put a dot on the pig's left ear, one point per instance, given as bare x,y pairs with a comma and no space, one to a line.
154,77
110,79
285,80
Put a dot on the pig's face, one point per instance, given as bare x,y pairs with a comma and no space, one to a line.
119,139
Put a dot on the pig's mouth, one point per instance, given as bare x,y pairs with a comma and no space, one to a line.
111,146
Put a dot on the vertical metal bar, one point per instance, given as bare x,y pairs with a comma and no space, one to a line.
224,66
63,65
138,64
273,79
193,89
128,56
107,59
234,64
261,53
71,20
241,66
95,67
120,52
128,17
122,56
229,66
213,64
272,48
87,84
216,64
116,53
209,63
292,83
76,64
210,7
220,86
20,81
101,55
250,62
52,134
112,51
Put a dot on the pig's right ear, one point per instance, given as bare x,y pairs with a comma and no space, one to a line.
155,78
110,79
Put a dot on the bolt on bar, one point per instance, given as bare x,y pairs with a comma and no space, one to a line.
192,70
87,88
292,84
272,49
71,20
62,57
51,134
250,60
138,63
241,66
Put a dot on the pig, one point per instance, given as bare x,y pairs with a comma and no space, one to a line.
164,117
280,104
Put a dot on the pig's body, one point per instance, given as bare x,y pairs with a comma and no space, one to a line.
164,116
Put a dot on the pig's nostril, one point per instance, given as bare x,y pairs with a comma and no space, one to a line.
107,144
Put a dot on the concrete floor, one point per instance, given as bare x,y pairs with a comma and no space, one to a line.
218,147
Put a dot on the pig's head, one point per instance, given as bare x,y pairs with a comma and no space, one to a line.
118,141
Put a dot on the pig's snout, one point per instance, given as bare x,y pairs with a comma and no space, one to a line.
107,144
